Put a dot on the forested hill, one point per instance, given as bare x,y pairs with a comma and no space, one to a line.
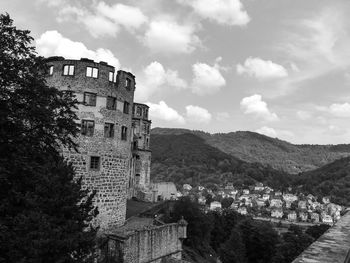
332,179
255,147
187,158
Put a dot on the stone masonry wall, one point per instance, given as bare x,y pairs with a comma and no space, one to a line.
147,245
110,180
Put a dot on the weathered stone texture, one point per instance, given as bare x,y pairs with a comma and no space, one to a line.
151,244
332,247
110,180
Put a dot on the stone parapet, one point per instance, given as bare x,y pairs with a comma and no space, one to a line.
332,247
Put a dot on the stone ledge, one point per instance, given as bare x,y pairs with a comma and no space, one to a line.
331,247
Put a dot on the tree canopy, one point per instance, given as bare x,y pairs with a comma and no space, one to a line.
45,215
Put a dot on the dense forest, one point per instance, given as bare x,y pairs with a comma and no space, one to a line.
254,147
330,180
188,158
237,239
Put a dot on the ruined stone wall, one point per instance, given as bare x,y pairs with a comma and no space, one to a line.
148,245
110,179
140,179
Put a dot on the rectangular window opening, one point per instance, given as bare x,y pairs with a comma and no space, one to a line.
109,130
128,83
126,107
89,99
111,103
68,70
95,163
111,76
92,72
51,70
87,128
124,133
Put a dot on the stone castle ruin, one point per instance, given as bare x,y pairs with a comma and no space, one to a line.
114,155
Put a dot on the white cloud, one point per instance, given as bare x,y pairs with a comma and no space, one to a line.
271,132
99,26
154,77
226,12
207,80
319,45
261,69
340,110
222,116
197,114
52,43
162,111
127,16
167,36
256,106
304,115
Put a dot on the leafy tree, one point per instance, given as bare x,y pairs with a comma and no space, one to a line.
233,250
260,240
317,230
226,202
45,215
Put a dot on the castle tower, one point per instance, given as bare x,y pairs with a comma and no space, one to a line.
141,127
105,114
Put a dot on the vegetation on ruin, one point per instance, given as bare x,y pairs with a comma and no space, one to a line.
45,216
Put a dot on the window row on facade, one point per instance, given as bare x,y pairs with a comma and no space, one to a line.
141,112
111,102
88,129
91,72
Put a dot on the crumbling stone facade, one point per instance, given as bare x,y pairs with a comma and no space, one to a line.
139,180
105,108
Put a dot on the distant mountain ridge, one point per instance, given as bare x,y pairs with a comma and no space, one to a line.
254,147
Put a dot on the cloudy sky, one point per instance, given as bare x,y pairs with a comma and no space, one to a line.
277,67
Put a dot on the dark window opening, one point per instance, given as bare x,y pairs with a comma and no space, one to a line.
111,103
126,107
128,83
95,163
124,133
87,127
109,130
89,99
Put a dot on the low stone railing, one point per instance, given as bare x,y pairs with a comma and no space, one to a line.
332,247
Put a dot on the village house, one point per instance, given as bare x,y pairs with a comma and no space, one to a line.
276,203
242,210
302,204
290,197
292,216
277,213
215,205
278,193
266,196
303,216
315,217
268,190
201,200
259,187
260,202
187,187
288,204
327,219
326,200
246,191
